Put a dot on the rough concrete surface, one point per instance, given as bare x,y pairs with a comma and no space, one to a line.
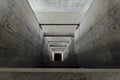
69,55
20,35
59,76
47,52
97,41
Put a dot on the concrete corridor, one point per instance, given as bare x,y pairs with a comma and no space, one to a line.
78,36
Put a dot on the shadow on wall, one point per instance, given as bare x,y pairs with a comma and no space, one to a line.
20,35
97,41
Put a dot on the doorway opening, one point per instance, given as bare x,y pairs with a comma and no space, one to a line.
57,57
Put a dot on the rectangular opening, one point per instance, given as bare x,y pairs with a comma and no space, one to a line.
57,57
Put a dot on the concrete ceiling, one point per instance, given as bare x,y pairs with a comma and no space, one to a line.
59,12
60,5
59,29
58,38
58,43
59,17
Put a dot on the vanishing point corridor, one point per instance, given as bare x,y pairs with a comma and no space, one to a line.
59,39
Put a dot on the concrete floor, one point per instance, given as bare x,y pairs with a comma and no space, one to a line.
58,74
61,70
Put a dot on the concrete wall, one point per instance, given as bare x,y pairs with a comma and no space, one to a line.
97,40
20,35
58,76
69,55
47,53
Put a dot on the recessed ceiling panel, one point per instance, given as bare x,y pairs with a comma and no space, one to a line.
60,11
60,5
58,38
59,29
59,17
58,49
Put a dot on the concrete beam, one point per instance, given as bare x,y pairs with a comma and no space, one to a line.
58,45
59,41
58,24
58,35
58,49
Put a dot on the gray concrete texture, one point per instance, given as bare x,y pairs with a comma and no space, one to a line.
97,41
20,35
69,55
59,76
46,52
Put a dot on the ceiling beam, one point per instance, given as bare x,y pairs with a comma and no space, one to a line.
58,41
58,49
77,26
58,36
59,24
40,26
58,45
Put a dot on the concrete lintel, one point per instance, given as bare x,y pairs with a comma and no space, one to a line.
59,41
60,24
53,35
58,45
